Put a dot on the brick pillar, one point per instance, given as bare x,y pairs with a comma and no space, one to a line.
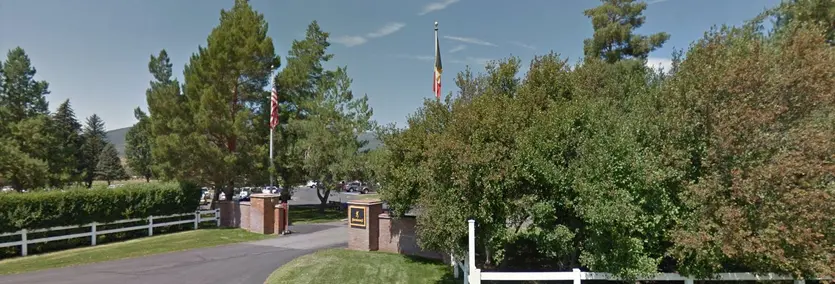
364,224
280,218
230,214
262,213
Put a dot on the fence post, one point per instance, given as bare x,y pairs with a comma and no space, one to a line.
150,226
93,234
196,219
800,281
454,266
24,248
688,281
577,275
473,273
217,217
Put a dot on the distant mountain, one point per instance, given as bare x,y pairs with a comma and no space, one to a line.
117,138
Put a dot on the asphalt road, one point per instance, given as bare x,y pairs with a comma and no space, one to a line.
307,196
230,264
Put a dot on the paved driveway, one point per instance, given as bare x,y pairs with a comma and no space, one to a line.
239,263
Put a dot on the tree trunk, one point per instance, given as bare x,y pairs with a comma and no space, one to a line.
108,182
323,193
147,179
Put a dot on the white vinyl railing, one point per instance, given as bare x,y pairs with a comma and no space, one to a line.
473,275
93,233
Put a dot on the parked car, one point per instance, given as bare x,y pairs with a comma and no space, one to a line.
357,186
312,183
243,196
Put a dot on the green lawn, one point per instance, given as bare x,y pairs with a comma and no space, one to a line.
368,196
347,266
301,214
127,249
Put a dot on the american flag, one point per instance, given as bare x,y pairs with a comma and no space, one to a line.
436,82
273,109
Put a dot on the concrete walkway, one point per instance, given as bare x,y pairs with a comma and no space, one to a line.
238,263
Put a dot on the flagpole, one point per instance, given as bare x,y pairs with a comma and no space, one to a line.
436,54
271,168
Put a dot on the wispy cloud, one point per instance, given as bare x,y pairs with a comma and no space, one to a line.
470,40
354,40
388,29
650,2
350,41
458,48
523,45
416,57
436,6
659,63
471,60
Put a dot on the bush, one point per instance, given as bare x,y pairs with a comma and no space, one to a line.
79,206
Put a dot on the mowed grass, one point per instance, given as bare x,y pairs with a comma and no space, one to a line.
131,181
348,266
368,196
310,214
127,249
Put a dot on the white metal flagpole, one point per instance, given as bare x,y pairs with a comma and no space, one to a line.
271,157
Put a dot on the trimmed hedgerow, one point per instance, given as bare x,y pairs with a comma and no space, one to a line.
79,206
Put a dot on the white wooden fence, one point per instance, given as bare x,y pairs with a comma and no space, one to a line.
473,275
93,233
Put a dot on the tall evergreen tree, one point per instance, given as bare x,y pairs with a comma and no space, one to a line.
138,145
331,145
94,141
168,107
296,85
24,124
66,153
216,142
614,23
109,166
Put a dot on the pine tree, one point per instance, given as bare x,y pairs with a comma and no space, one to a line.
109,166
614,22
331,145
94,141
216,142
138,145
168,107
66,154
24,123
296,85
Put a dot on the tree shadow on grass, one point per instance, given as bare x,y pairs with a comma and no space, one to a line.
448,276
300,214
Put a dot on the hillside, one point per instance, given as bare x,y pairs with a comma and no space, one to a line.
117,137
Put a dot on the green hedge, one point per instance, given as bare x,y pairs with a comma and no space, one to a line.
79,206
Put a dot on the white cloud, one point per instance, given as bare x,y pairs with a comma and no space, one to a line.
436,6
650,2
350,41
388,29
660,63
523,45
470,40
458,48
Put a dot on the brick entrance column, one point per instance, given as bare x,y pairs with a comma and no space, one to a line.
363,224
261,213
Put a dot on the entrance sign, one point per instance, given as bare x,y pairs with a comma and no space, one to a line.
357,219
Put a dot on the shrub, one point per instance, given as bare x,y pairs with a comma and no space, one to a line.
79,206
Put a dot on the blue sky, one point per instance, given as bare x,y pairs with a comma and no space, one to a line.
95,52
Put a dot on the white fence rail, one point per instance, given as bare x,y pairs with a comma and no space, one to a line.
94,233
473,275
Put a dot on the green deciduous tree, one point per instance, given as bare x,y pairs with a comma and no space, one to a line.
138,146
24,123
213,136
94,140
614,23
109,166
758,119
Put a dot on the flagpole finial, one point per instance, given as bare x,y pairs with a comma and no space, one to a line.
436,25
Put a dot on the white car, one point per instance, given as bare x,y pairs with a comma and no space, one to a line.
312,184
